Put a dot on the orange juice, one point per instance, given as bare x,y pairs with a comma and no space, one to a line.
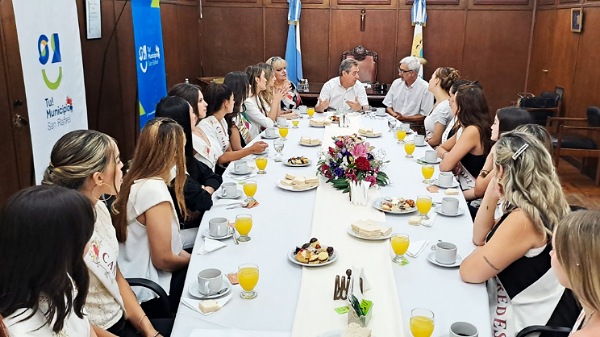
283,132
423,204
400,134
250,188
400,244
295,123
310,112
248,278
409,147
243,225
261,163
421,326
427,171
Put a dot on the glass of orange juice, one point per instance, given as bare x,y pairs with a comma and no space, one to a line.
400,242
250,187
248,278
295,123
310,112
400,134
424,206
261,164
409,148
283,131
243,224
421,322
427,171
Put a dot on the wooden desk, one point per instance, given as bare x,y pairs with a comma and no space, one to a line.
310,97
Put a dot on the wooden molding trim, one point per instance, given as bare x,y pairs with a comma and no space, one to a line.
501,2
364,2
436,2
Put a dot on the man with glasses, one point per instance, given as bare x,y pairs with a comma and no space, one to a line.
344,91
409,98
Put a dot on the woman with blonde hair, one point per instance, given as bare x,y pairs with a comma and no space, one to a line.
291,100
440,83
514,252
273,96
146,223
575,262
89,161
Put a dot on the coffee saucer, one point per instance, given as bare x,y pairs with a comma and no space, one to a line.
225,289
206,234
454,184
237,194
264,136
460,211
241,173
431,258
424,144
437,160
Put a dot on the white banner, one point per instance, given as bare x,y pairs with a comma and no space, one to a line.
50,51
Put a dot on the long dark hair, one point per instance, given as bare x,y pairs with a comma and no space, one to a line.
189,92
473,110
215,96
511,117
237,81
43,233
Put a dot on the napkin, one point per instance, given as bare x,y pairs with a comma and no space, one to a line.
210,246
428,223
359,192
415,247
195,304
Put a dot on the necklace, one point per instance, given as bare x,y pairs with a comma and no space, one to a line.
588,318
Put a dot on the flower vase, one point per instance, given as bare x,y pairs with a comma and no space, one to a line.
359,192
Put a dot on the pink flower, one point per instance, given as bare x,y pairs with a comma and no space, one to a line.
371,179
359,150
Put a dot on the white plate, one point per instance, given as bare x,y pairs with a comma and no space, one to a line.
296,165
317,126
377,204
437,160
438,209
351,232
206,234
292,258
264,136
312,145
424,144
431,258
454,184
381,114
237,195
334,333
195,293
290,188
241,173
377,135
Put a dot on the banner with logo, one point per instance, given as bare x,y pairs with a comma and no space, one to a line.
50,49
151,78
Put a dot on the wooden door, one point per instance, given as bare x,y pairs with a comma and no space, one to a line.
16,168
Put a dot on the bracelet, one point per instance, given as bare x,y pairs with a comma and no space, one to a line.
140,321
484,173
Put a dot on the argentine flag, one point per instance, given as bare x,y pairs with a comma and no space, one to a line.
418,18
293,54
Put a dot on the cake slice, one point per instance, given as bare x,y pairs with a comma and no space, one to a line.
355,330
370,229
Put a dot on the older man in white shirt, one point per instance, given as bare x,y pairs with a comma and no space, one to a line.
409,99
344,91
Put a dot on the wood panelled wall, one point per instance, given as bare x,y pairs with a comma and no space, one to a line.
564,58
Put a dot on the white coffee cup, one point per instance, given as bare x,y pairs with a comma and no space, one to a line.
420,140
281,121
445,252
210,281
463,329
229,190
302,109
449,205
381,111
271,132
218,227
445,179
405,127
240,166
430,156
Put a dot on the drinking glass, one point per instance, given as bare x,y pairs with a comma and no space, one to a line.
283,131
278,144
424,206
250,187
427,171
392,123
409,148
295,123
310,112
261,164
421,322
243,224
400,242
400,134
248,278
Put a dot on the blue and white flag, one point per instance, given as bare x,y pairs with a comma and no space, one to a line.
418,18
293,54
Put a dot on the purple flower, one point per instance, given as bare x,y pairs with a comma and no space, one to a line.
338,171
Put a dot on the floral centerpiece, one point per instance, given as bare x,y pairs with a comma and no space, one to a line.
351,159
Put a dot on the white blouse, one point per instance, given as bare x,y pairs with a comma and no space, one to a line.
257,116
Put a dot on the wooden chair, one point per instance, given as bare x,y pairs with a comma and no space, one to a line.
367,63
581,143
541,107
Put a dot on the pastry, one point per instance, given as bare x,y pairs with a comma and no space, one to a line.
313,253
208,306
355,330
370,229
414,220
451,191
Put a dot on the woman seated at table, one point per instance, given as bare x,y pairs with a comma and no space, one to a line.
453,126
44,234
514,252
204,151
465,152
146,222
89,161
292,99
273,96
575,258
238,124
201,182
255,107
221,102
435,123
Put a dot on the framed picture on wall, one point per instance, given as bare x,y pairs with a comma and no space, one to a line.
576,19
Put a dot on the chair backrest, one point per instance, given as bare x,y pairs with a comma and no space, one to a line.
552,98
593,115
367,63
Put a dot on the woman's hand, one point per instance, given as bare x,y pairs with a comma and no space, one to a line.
279,93
259,147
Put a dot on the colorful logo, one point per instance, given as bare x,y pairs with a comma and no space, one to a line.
50,53
148,58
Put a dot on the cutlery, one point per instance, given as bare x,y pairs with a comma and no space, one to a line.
235,240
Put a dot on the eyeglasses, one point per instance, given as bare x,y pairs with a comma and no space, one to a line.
402,71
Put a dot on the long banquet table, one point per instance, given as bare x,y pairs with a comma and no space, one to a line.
298,301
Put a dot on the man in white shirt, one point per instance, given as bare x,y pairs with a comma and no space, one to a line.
344,91
409,98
